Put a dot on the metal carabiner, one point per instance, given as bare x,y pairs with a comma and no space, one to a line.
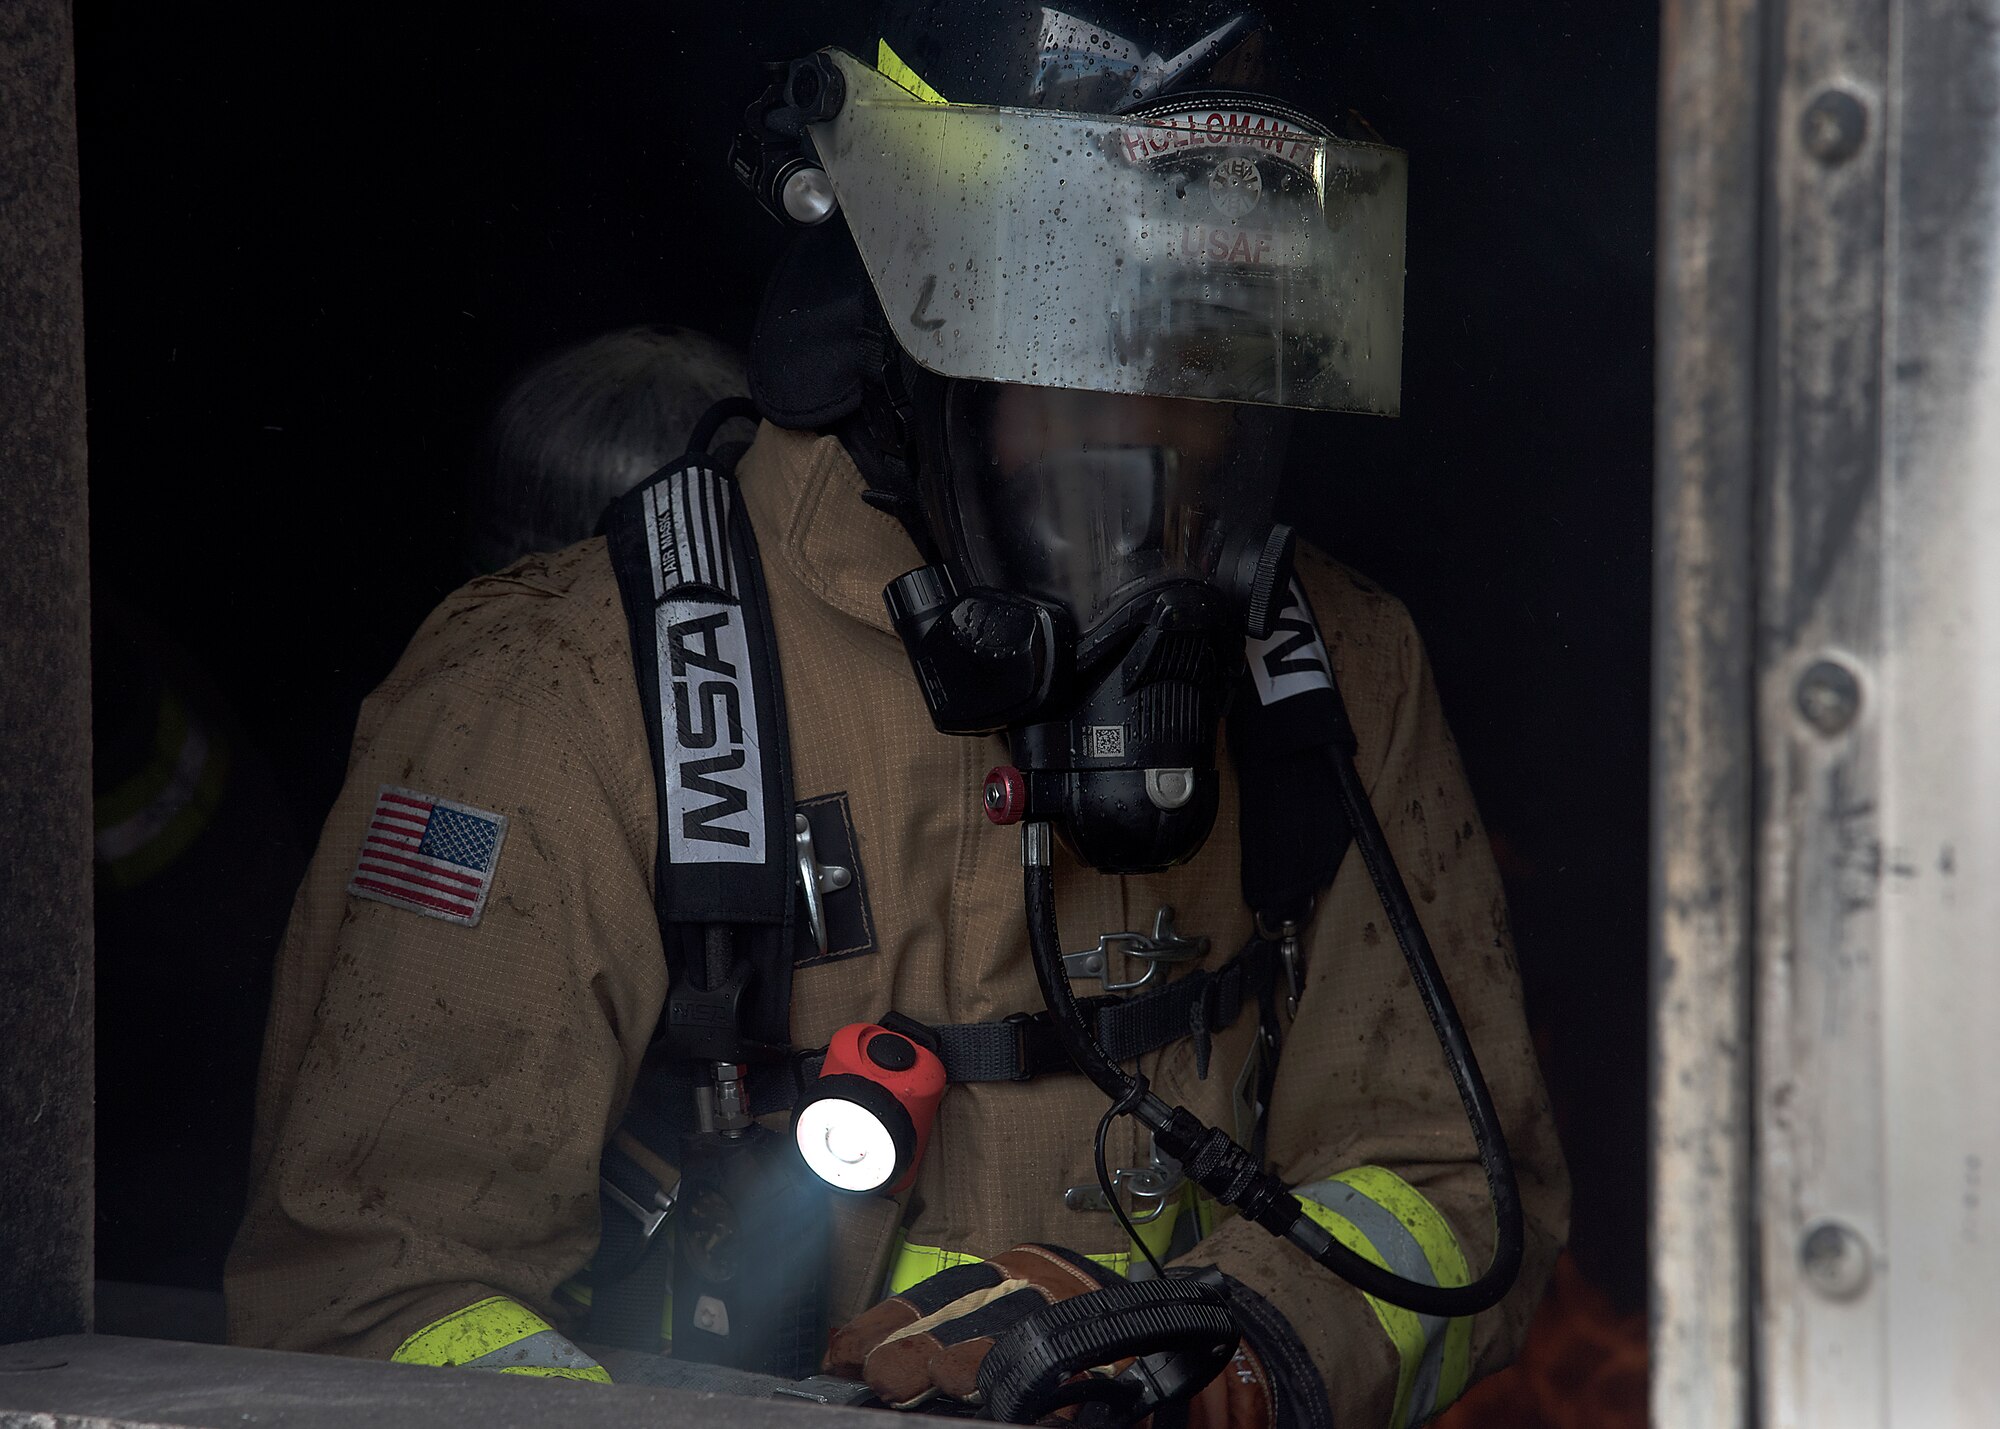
1291,953
1153,1188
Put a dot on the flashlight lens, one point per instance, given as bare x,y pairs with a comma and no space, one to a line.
845,1144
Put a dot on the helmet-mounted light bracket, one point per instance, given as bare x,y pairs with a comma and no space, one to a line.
773,156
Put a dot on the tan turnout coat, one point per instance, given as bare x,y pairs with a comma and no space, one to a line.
433,1096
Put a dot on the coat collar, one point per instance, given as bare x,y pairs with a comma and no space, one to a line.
803,493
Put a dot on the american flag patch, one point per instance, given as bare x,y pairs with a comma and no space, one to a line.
428,855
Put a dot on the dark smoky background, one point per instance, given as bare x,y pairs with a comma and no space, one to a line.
319,241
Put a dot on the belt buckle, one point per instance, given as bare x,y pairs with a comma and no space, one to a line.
1166,945
1020,1022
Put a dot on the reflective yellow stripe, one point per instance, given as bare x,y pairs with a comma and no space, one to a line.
150,820
1407,1236
485,1329
1402,1327
589,1374
890,65
911,1263
1441,1249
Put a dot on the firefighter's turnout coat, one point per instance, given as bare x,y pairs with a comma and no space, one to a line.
437,1083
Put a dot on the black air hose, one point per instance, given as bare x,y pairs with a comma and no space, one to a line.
1229,1173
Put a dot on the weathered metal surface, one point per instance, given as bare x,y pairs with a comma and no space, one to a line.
1875,538
1705,455
1821,731
45,853
1938,894
101,1380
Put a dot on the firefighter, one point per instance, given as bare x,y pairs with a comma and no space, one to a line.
1049,379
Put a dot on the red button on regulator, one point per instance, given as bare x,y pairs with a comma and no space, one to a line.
1006,795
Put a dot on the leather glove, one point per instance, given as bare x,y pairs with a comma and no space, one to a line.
932,1338
1240,1397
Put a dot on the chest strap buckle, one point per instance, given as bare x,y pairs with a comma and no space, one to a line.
1166,945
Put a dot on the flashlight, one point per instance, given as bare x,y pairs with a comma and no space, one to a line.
864,1124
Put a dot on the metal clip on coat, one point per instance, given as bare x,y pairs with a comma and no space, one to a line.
816,880
1166,945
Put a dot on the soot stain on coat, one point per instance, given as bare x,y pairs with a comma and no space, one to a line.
365,1147
1426,892
589,659
472,1202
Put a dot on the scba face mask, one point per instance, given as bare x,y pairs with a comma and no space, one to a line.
1104,319
1107,554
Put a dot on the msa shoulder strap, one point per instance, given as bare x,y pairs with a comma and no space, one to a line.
693,589
1286,730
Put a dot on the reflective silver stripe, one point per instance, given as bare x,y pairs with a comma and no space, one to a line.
1397,1246
544,1349
143,827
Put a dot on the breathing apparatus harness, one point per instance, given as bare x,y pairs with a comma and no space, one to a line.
739,902
693,590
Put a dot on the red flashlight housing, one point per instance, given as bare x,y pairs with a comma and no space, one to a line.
898,1079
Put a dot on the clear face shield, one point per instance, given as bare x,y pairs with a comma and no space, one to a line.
1215,248
1119,303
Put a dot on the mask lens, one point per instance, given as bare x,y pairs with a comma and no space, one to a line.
1086,498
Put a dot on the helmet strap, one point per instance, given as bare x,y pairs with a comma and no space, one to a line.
884,436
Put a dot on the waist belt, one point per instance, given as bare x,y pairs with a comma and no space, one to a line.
1026,1045
631,1270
